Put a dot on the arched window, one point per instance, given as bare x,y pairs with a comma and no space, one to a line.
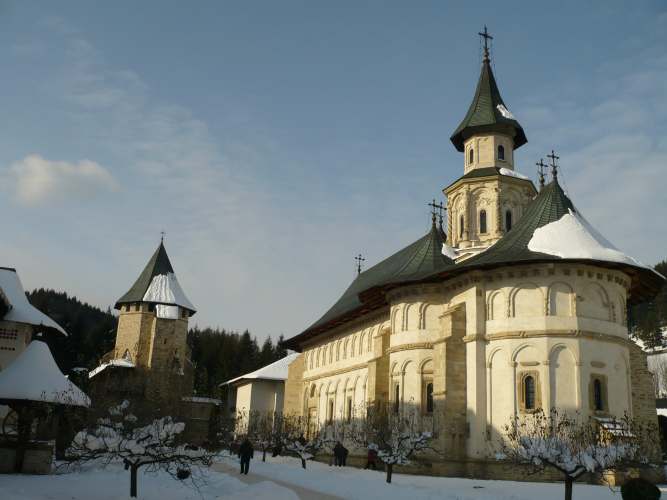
598,402
482,221
508,220
461,227
312,391
471,156
331,410
397,397
501,152
529,392
429,397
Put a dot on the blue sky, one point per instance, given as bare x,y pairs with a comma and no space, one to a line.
273,141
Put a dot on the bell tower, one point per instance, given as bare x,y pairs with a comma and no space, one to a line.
490,197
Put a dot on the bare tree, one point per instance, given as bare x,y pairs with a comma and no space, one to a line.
575,446
137,441
397,436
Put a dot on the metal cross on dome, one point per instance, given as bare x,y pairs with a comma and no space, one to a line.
554,166
485,35
540,171
162,235
359,260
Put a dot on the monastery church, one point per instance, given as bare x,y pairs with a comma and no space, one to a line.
519,305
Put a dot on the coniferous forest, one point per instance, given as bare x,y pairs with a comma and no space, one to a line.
217,354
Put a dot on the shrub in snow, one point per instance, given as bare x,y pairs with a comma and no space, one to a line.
397,436
147,440
639,489
575,446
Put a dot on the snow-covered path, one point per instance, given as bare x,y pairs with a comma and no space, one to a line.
351,483
255,478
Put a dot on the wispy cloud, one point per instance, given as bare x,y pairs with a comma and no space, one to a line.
40,181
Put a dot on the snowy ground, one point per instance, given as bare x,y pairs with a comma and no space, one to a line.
282,479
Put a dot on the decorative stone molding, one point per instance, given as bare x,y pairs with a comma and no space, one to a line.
558,333
529,363
409,347
598,364
339,371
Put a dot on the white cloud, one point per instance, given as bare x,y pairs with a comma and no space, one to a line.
40,181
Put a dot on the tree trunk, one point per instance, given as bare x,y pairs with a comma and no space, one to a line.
568,487
390,469
303,463
133,480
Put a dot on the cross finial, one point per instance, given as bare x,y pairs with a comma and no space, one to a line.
554,165
162,235
434,207
540,172
359,260
485,35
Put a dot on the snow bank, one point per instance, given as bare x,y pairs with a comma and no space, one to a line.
34,376
512,173
113,483
199,399
164,289
122,363
274,371
572,237
21,310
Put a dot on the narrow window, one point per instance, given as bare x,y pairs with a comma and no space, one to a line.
529,392
508,220
429,397
312,391
137,307
501,152
331,410
471,156
397,397
349,409
597,395
461,227
482,221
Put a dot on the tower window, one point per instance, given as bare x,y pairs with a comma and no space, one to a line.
482,221
331,410
501,152
429,397
471,156
137,307
598,403
508,220
529,392
397,397
461,227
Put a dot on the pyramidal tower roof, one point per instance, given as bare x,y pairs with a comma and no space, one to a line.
157,284
487,111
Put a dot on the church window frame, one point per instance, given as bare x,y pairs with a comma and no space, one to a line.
598,394
349,409
508,220
397,397
428,397
461,225
482,222
530,393
501,152
471,156
312,391
330,410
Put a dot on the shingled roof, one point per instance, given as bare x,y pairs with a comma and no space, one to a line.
488,113
414,263
157,284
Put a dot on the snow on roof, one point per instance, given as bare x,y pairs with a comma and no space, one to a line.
572,237
275,371
22,311
512,173
34,376
448,251
662,411
164,289
122,363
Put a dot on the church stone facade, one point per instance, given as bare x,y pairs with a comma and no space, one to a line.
486,329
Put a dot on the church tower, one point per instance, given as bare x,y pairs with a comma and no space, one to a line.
153,323
491,196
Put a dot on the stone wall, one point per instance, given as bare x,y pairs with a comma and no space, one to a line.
293,402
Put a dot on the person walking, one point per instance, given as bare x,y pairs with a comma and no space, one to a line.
371,459
246,452
338,454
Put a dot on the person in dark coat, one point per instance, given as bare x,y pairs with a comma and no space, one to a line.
246,452
344,456
371,460
277,448
339,452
